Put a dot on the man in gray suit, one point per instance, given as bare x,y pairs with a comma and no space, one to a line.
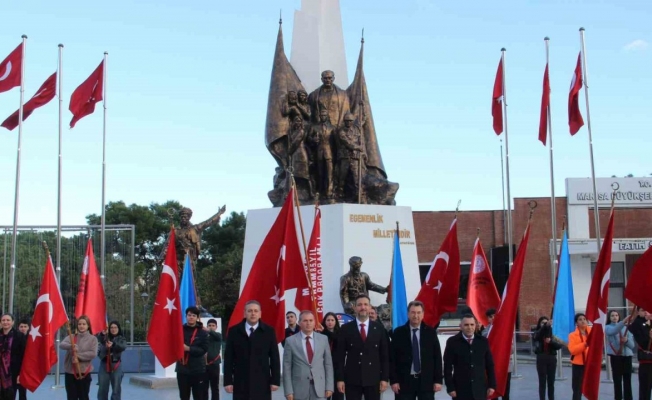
307,363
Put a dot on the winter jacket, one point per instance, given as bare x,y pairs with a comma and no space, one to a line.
540,346
614,346
576,346
213,356
86,352
194,361
641,331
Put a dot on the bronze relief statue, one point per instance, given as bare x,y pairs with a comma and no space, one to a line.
355,283
335,156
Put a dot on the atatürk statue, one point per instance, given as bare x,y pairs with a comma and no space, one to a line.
343,159
355,283
189,236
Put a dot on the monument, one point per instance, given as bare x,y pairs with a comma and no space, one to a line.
322,135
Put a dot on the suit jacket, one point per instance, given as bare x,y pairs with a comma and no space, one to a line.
469,368
251,364
297,372
362,363
429,354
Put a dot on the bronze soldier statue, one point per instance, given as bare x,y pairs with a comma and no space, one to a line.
189,236
351,155
355,283
321,139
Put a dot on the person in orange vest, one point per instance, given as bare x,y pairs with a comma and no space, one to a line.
579,348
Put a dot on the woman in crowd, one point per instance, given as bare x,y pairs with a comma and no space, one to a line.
12,349
23,327
545,348
331,329
111,344
81,349
579,348
620,349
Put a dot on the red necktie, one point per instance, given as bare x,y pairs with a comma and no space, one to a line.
363,334
309,350
470,340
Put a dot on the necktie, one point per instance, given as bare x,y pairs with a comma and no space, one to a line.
470,340
363,334
309,350
251,331
416,359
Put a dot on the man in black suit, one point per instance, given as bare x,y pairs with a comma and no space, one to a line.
468,364
416,367
362,358
252,367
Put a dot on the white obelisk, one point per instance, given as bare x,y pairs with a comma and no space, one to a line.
318,43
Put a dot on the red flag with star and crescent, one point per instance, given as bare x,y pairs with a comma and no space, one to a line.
49,316
165,333
11,69
278,267
596,312
575,120
43,96
83,99
440,289
497,100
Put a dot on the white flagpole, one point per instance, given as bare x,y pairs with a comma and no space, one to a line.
509,196
57,381
12,269
596,210
553,206
502,176
103,222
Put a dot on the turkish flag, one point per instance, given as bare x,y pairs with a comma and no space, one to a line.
575,120
545,103
482,293
11,69
501,334
42,97
49,316
497,100
596,312
165,333
440,290
91,301
83,99
304,300
640,282
278,267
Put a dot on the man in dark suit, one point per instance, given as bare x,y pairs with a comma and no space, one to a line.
468,364
416,367
252,367
362,356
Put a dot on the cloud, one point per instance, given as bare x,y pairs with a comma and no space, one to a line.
636,45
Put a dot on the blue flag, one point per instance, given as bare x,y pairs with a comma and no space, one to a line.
399,296
563,315
187,288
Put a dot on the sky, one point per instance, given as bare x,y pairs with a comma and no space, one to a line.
188,85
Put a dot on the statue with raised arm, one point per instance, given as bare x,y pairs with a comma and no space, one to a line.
355,283
189,235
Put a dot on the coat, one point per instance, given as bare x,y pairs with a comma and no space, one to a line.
362,363
86,352
214,353
429,355
614,346
251,364
18,344
641,331
469,368
576,346
119,344
297,372
194,360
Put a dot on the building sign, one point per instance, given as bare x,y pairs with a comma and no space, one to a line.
631,192
588,246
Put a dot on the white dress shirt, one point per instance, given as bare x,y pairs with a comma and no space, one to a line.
248,327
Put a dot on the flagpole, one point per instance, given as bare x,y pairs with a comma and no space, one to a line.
509,196
502,176
103,222
596,210
553,205
12,267
57,380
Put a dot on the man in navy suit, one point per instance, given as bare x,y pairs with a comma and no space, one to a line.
362,358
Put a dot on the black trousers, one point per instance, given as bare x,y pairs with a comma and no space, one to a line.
621,367
194,384
411,390
21,392
355,392
546,367
212,381
336,394
7,394
577,376
77,389
507,386
644,381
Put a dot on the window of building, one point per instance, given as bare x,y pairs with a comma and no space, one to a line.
616,285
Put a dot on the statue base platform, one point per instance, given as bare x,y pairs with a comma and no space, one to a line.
347,230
